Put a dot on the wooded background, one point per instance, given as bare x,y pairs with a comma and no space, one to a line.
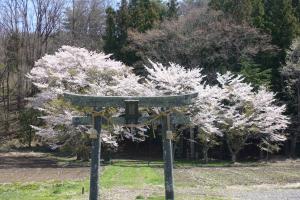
250,37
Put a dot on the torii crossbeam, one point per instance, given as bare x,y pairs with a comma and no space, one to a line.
131,104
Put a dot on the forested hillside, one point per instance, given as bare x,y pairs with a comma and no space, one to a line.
257,39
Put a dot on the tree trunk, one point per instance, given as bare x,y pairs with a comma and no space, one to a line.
82,153
205,155
181,149
7,102
287,148
233,152
261,154
20,87
293,145
30,139
233,157
174,150
7,91
205,148
192,143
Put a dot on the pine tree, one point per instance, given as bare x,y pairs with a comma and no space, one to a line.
143,14
122,30
172,9
138,15
281,22
295,3
242,10
217,4
122,22
239,10
110,39
296,6
291,76
258,13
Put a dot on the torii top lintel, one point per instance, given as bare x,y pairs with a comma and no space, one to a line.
118,101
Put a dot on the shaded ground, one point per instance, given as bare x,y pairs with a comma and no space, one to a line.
28,160
129,179
35,167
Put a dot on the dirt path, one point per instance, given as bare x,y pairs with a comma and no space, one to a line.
35,167
266,192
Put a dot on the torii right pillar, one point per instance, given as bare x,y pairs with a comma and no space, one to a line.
167,156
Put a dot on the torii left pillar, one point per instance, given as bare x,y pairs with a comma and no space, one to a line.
95,160
167,156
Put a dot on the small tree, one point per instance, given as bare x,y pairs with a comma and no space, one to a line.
172,11
110,37
281,22
205,115
27,118
207,141
144,14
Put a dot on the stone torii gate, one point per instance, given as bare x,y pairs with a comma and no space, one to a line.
132,117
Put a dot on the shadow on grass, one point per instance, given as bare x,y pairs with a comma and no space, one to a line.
57,160
30,159
184,164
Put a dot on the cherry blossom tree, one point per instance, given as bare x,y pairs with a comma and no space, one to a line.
205,115
174,80
232,109
246,113
78,71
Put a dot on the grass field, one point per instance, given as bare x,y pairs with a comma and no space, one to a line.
137,178
129,179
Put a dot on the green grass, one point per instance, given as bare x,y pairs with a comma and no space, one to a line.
193,180
183,198
132,175
113,176
42,191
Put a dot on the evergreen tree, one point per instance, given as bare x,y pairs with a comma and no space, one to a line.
110,38
239,10
138,15
258,13
28,117
275,17
217,4
291,77
122,22
281,22
121,29
295,3
172,9
144,14
296,6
